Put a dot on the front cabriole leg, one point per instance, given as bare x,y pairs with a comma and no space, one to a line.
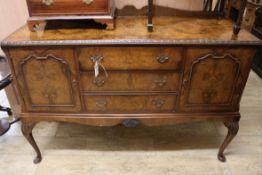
233,127
27,128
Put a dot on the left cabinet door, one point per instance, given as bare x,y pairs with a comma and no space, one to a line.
47,79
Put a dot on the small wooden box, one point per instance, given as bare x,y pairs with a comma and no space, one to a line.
41,11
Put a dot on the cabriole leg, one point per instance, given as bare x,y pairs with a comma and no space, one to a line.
233,127
27,128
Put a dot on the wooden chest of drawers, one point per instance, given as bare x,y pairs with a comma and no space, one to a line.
41,11
130,76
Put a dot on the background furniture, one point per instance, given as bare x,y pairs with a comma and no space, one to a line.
218,12
4,82
250,15
40,12
257,30
232,9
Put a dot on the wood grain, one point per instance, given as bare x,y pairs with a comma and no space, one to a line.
133,30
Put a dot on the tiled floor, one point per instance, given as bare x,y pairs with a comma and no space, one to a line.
181,149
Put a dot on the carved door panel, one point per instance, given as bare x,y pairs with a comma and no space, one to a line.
214,79
47,80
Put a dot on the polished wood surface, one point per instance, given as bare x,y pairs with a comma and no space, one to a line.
135,58
214,78
129,104
105,78
54,87
171,30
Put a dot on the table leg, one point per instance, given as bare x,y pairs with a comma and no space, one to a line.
233,127
27,128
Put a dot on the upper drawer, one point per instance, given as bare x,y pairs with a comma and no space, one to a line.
67,7
128,58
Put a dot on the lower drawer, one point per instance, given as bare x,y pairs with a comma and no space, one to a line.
130,103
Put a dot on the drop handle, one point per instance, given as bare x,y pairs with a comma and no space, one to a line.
159,103
101,103
160,82
162,59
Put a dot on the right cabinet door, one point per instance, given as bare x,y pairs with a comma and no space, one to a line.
214,79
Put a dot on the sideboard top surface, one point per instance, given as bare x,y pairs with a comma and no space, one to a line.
133,30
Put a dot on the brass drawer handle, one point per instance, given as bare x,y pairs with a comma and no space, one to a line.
47,2
161,82
101,103
162,59
159,103
99,82
88,2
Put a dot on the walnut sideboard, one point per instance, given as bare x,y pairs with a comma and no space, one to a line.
186,70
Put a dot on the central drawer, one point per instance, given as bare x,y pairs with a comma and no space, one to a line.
131,58
130,81
129,103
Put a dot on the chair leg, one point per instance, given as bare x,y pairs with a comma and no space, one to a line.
6,109
4,126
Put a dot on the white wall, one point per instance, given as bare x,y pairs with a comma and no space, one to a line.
13,14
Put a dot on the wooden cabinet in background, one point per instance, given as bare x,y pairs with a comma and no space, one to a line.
250,16
41,11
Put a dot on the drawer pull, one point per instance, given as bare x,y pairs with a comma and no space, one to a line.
160,83
88,2
47,2
99,82
101,103
159,103
162,59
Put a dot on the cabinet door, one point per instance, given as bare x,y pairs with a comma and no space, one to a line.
214,79
47,79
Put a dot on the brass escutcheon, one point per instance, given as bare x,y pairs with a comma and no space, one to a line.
101,103
96,58
88,2
48,2
99,82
